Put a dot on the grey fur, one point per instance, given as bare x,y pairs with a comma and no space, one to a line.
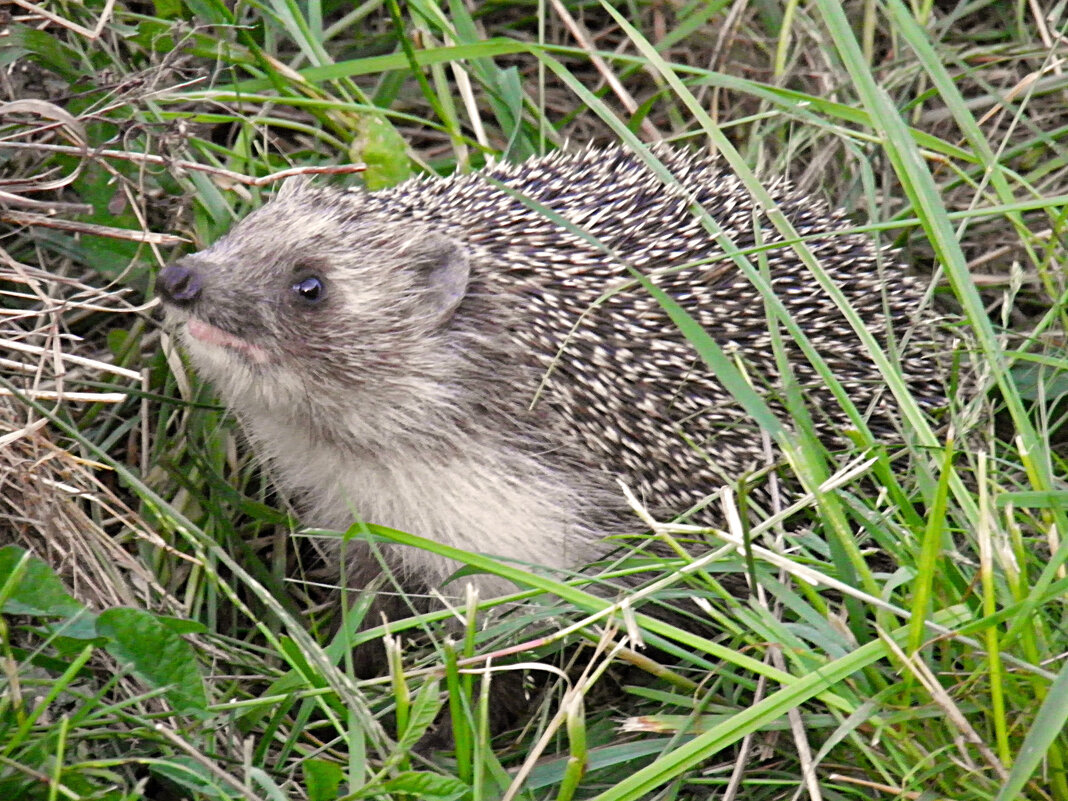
409,396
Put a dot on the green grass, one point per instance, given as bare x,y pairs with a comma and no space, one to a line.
164,637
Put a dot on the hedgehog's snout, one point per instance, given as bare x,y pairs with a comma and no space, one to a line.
179,284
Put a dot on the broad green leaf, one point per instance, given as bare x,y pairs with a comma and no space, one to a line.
427,786
383,150
37,591
322,779
157,656
48,49
425,708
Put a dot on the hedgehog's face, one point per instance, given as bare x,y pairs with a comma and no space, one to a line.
314,293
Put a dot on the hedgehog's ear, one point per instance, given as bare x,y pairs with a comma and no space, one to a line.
444,270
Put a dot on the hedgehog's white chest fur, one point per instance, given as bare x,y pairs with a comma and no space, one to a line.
470,500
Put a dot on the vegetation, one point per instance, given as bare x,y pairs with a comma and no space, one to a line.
164,637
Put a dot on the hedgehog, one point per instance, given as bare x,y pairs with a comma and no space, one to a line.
469,359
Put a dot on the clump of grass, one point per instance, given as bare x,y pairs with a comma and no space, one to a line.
168,635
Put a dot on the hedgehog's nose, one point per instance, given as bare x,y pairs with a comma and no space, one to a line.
179,284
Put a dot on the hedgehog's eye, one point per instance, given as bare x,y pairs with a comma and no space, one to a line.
310,289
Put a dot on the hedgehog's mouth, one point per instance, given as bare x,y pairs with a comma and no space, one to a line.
213,335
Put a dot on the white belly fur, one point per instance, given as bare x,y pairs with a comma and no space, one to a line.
470,501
